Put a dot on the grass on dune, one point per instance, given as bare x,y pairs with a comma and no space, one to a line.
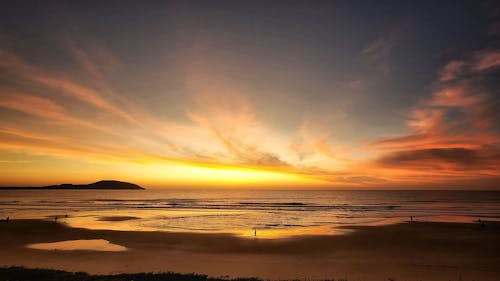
37,274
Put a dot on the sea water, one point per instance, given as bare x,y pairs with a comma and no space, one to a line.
265,213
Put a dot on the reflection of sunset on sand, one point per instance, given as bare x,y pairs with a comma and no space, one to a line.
430,251
79,245
137,224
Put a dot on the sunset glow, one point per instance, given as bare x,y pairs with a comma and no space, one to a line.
214,98
249,140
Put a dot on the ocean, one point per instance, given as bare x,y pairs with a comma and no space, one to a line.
265,213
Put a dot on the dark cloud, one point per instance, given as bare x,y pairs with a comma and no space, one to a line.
484,158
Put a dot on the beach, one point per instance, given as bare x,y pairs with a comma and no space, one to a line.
250,140
404,251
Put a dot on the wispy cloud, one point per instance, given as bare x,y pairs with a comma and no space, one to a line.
24,70
43,108
232,122
450,134
452,131
451,70
314,142
378,49
378,52
471,64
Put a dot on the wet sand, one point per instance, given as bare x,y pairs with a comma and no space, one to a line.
117,218
407,251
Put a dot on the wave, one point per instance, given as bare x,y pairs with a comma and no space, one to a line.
278,203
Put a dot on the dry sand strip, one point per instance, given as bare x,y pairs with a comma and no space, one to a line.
409,251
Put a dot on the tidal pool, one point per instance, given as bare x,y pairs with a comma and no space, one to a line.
79,245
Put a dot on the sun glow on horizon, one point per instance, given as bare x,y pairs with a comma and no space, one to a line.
217,176
153,173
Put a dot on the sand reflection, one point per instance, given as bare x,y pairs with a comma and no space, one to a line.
82,245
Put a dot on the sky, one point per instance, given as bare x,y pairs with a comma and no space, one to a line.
260,94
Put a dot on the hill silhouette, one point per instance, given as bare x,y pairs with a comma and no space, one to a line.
104,184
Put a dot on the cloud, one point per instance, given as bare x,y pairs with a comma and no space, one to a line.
79,130
222,131
314,142
440,142
486,59
453,69
468,100
452,132
378,52
378,49
232,122
472,64
64,145
43,108
459,159
455,115
94,60
14,64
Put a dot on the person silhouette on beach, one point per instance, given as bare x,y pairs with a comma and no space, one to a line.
255,232
7,219
411,218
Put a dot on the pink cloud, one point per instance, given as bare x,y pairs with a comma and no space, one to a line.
452,70
43,108
476,63
485,60
451,131
26,71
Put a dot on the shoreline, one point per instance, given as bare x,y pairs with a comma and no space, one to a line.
405,251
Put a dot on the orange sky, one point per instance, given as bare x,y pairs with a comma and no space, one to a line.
206,107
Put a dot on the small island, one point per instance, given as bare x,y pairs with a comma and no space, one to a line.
104,184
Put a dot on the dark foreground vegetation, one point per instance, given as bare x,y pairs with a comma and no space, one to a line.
37,274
